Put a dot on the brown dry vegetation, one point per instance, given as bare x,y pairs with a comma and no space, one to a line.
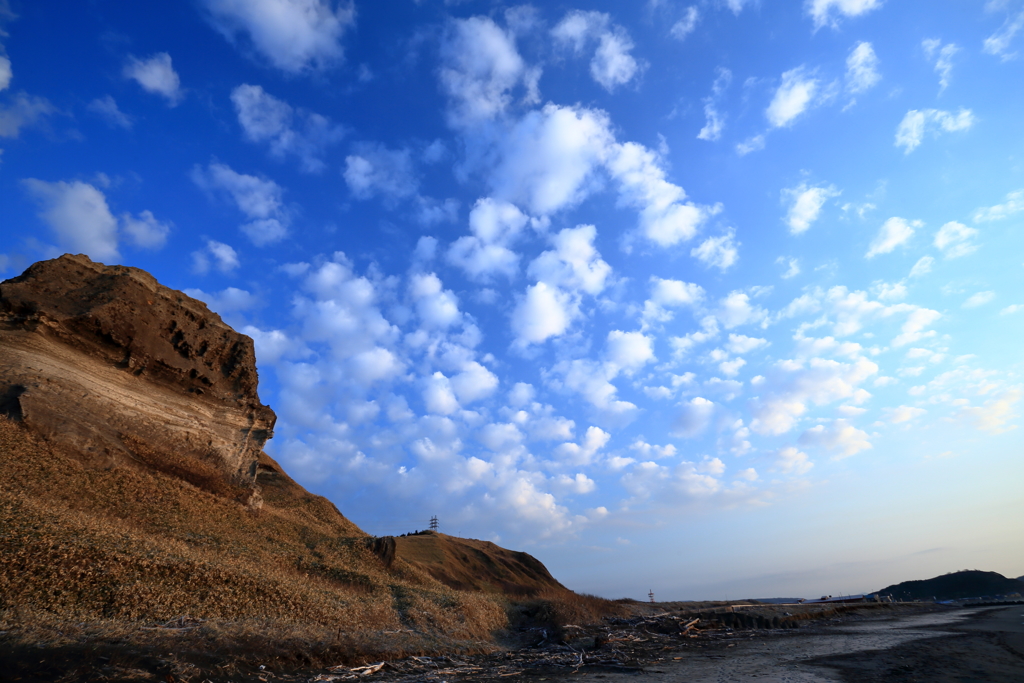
94,554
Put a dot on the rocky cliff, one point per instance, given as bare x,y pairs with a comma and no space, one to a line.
117,367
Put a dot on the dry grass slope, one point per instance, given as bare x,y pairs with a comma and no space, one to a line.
93,555
139,546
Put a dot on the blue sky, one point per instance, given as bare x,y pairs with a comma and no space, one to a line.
716,298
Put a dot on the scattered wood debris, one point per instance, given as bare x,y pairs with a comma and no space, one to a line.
618,645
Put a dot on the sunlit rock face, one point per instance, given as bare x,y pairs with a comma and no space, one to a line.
113,365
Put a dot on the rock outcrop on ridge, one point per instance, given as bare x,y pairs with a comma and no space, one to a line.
117,367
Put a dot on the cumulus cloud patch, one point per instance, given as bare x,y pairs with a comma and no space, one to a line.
862,68
259,199
828,12
912,129
893,233
793,97
156,75
81,221
295,36
805,204
612,65
955,240
106,108
840,437
267,119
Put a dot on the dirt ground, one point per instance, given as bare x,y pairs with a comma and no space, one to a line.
899,643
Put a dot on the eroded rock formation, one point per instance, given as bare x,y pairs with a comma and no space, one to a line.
112,364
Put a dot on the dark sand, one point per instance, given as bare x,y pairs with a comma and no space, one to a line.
961,646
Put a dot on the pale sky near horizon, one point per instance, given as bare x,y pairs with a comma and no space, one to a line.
714,298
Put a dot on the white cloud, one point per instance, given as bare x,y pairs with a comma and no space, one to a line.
922,267
1014,204
694,418
979,299
584,452
574,263
893,233
495,226
998,43
374,170
592,381
749,474
1011,309
473,383
794,95
652,451
792,385
548,158
6,74
993,417
753,144
438,396
106,108
612,64
903,414
543,312
686,24
740,344
229,300
735,310
955,239
294,35
944,59
264,118
79,216
718,252
145,231
579,484
712,129
886,291
81,220
225,258
731,368
156,75
839,436
915,124
665,218
629,351
792,461
24,111
827,12
667,294
805,204
792,267
438,308
862,68
261,200
480,67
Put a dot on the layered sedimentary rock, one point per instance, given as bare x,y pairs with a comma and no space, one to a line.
117,367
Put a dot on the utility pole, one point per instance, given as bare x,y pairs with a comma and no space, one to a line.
433,523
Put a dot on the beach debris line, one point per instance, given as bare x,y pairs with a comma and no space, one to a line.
638,644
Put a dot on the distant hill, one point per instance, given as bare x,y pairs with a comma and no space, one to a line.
955,586
467,564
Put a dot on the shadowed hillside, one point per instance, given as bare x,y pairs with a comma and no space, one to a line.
955,586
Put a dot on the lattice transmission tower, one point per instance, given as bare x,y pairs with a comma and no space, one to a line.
433,523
